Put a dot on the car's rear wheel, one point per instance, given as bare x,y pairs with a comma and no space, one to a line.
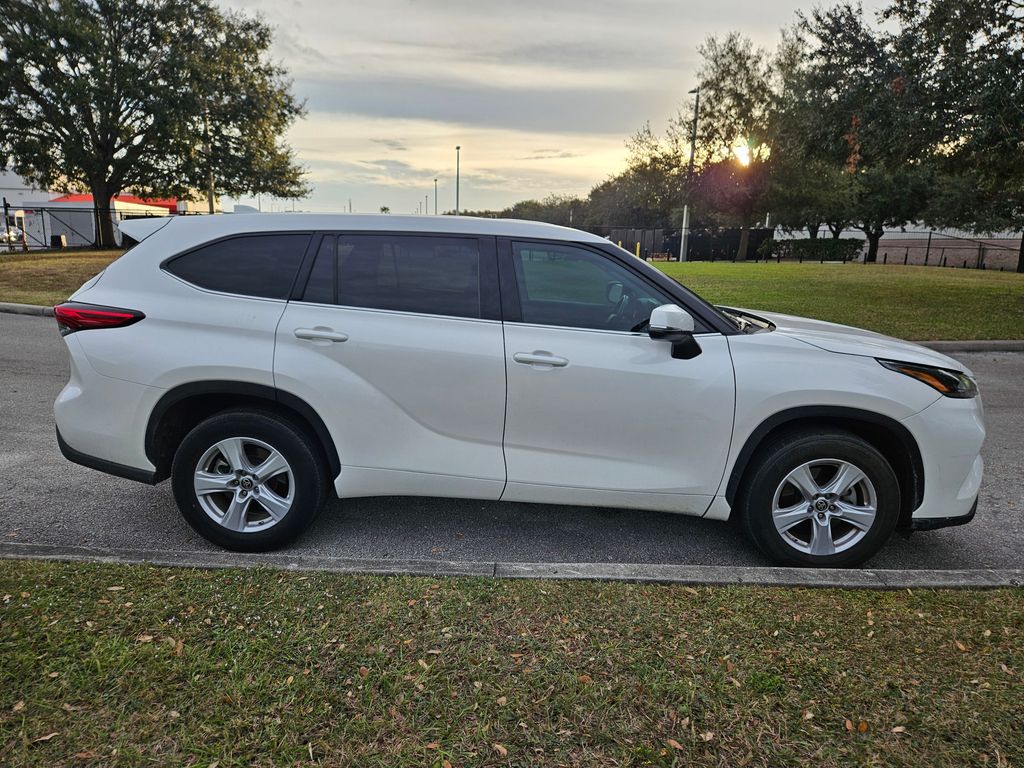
827,499
251,481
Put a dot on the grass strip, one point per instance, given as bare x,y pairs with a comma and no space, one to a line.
132,665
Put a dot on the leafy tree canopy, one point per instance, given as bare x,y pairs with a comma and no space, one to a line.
152,96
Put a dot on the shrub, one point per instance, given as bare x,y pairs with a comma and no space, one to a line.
818,249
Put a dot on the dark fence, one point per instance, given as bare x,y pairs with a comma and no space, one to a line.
702,245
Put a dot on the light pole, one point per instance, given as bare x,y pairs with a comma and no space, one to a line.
457,159
426,204
435,197
684,235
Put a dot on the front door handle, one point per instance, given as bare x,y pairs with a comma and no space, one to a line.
320,333
540,357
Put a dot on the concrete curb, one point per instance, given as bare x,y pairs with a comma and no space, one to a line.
997,345
25,309
703,575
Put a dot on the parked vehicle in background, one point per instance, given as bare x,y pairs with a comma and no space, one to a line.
260,362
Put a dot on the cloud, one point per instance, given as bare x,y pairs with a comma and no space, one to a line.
395,144
549,154
581,110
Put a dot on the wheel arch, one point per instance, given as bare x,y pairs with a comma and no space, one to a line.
893,440
183,407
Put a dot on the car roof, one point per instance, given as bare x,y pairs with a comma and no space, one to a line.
200,228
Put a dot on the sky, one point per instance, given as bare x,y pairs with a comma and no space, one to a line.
540,94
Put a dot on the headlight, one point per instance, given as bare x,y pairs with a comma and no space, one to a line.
949,383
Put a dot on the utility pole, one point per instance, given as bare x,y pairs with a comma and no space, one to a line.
435,197
684,235
7,224
457,160
211,191
426,204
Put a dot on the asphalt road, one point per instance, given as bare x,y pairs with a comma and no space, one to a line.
46,500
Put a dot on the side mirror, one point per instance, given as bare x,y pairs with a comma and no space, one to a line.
675,325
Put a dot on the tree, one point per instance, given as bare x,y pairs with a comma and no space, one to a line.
970,57
153,96
385,209
734,130
862,107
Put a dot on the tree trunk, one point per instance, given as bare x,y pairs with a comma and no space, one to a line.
812,230
873,240
1020,258
104,223
836,230
741,253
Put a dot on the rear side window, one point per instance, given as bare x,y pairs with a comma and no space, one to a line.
404,273
253,265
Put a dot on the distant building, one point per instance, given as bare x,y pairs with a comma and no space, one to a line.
17,191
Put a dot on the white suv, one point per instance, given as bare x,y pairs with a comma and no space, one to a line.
260,360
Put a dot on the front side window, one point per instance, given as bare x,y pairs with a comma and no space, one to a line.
254,265
404,273
575,287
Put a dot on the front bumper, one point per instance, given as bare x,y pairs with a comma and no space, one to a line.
949,434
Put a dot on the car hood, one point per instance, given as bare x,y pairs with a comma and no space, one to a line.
847,340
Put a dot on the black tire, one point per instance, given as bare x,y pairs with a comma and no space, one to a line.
785,453
307,483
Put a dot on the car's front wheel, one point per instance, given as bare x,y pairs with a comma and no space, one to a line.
250,481
826,499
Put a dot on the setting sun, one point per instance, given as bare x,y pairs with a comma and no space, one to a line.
742,152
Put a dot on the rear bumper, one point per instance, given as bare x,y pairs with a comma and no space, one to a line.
110,467
932,523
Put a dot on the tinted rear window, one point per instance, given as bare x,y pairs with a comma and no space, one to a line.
253,265
429,275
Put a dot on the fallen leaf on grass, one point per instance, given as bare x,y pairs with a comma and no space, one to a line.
708,735
363,671
144,639
24,594
862,726
423,664
500,749
179,647
446,763
18,706
808,715
848,724
501,701
54,674
86,755
899,729
114,589
290,680
586,679
674,744
960,646
47,737
434,745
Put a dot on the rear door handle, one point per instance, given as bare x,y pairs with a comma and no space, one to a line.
539,357
320,333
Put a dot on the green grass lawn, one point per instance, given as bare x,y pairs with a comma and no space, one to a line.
910,302
48,277
127,665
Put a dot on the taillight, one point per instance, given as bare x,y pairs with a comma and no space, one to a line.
73,316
